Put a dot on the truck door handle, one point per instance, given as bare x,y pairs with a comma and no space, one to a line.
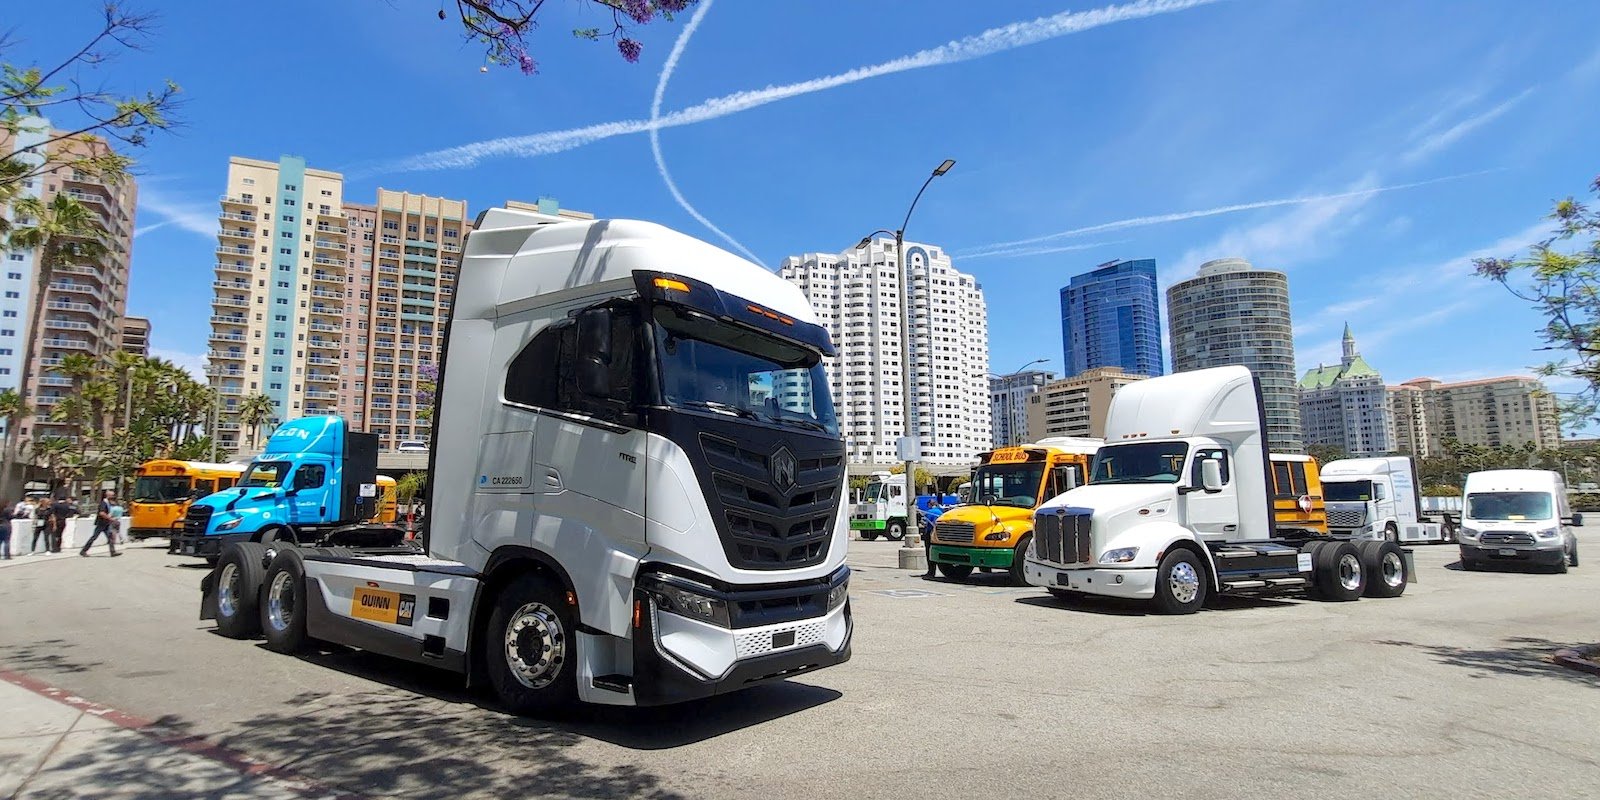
1230,527
552,479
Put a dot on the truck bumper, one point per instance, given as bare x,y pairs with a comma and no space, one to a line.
868,524
1524,555
999,557
677,658
1134,584
202,546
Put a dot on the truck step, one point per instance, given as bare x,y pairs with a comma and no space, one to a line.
621,684
1267,583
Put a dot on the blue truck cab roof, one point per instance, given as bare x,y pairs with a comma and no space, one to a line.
305,436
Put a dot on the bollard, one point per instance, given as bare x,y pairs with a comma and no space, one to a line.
913,558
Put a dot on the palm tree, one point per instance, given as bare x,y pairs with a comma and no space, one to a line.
53,451
12,410
255,411
62,231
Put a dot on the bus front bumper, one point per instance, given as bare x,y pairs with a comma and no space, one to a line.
996,557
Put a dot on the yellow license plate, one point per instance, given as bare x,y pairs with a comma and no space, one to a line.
376,605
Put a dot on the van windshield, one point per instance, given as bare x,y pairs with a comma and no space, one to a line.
1147,462
1347,491
1509,505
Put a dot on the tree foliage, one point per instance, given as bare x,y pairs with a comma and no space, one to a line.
1440,473
503,27
1324,453
1560,276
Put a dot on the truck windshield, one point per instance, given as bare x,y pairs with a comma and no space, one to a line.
1347,491
877,491
156,489
269,474
1147,462
1508,505
709,365
1008,484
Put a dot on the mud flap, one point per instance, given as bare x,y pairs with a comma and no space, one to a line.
208,596
1411,565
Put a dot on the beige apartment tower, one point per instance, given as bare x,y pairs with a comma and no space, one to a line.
1076,406
1509,411
136,336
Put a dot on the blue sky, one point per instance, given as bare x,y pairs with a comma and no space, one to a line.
1136,123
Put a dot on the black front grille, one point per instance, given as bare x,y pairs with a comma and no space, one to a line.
768,528
1062,538
1507,537
196,520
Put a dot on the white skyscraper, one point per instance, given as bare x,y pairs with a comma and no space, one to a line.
857,297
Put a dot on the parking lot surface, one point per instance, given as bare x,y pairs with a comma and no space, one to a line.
955,690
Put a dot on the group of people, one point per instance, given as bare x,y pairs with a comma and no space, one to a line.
50,516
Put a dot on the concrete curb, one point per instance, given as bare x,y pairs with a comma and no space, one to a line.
195,745
1580,659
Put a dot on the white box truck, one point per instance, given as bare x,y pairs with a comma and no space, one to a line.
636,488
1178,509
882,510
1518,516
1376,498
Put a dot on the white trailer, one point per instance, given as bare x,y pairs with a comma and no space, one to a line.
637,490
1376,498
1178,509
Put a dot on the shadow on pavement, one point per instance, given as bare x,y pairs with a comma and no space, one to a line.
44,657
1520,567
1522,656
1119,607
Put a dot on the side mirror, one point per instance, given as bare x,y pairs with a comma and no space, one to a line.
594,352
1577,519
1069,480
1211,475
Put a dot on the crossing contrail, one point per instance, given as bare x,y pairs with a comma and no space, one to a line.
655,132
993,40
1020,247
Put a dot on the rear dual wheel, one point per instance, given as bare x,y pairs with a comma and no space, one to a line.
1337,571
239,576
283,604
1385,567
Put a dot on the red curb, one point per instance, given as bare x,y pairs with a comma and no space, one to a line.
1574,659
226,756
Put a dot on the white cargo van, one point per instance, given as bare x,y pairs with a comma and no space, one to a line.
1518,515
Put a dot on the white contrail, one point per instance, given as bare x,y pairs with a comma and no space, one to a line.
1039,251
1018,247
994,40
655,132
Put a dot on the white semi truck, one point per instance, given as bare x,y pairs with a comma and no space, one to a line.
882,510
1377,498
637,485
1178,509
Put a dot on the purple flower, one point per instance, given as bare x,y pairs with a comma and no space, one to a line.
528,65
507,30
639,10
672,6
630,49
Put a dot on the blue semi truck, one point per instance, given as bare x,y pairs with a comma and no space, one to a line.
314,475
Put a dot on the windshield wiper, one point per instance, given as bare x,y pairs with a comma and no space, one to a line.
802,421
713,405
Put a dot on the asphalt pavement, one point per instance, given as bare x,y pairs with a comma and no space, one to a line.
955,690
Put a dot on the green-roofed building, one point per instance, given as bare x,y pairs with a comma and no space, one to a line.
1345,405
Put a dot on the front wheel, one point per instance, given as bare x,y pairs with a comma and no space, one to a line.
283,604
531,647
895,530
1180,583
1019,566
955,571
1391,533
1572,553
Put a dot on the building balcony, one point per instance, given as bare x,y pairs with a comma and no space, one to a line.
88,272
390,254
249,236
330,311
414,272
326,277
332,213
322,361
323,326
86,197
323,344
237,217
228,337
232,372
329,262
47,399
230,391
231,200
419,287
319,292
241,268
328,244
332,230
69,325
61,305
322,377
231,302
55,380
226,355
67,344
236,286
78,288
314,394
423,244
232,250
229,319
413,315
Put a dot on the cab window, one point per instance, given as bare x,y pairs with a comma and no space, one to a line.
310,476
1208,454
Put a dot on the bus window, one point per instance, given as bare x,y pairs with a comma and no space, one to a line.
1059,480
204,487
1288,479
225,483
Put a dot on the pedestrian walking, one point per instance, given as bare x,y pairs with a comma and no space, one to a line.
62,512
5,529
103,521
44,520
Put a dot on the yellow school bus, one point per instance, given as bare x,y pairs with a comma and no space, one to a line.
164,488
1297,504
388,504
1010,482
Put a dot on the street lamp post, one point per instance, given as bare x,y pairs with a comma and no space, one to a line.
910,440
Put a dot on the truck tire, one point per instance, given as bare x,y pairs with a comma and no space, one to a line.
955,571
1469,564
239,575
869,536
530,647
1572,553
1181,585
1019,561
1337,572
895,530
1391,533
283,603
1385,566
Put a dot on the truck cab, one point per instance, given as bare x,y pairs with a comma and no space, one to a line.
1376,498
1010,482
882,510
1517,516
1178,508
314,473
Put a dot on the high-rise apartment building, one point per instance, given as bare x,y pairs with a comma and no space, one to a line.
1111,317
857,296
1409,420
86,300
1492,412
136,336
1234,313
1076,406
1346,406
1008,404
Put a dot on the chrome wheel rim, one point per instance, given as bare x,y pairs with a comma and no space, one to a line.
1350,572
280,601
228,590
536,645
1184,582
1394,570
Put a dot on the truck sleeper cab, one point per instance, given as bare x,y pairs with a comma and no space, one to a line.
1178,508
1517,516
637,490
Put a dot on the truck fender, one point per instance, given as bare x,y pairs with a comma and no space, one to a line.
504,564
1173,535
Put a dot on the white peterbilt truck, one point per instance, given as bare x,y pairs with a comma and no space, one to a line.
636,494
1178,509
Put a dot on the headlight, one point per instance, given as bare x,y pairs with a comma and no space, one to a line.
1551,533
230,524
1121,555
997,536
1467,535
838,594
688,603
